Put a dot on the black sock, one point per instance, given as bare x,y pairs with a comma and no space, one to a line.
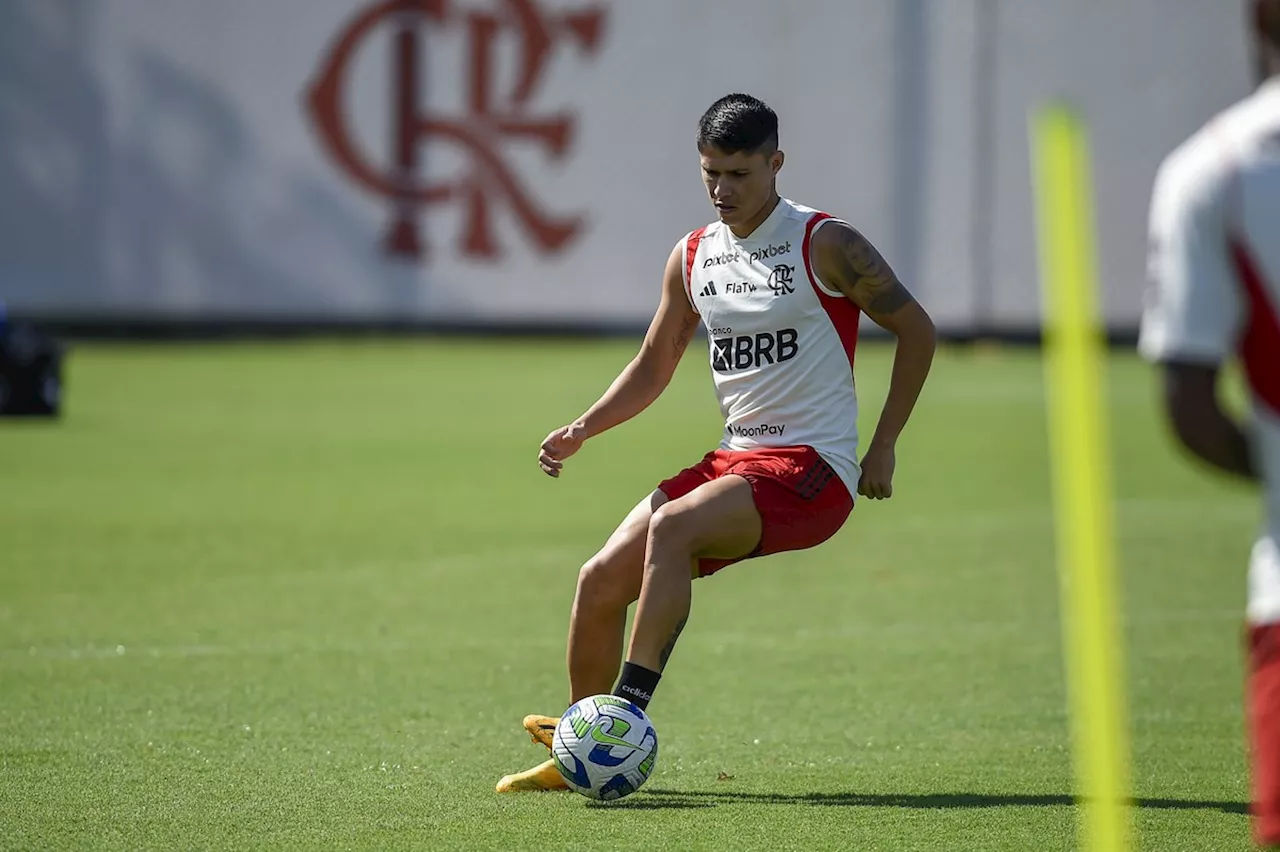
636,684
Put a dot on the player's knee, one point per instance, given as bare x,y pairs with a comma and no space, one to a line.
672,526
603,583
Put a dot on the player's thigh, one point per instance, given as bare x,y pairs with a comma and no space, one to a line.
619,565
716,520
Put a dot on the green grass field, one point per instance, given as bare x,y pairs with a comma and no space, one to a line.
299,596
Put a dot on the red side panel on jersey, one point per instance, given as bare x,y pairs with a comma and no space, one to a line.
690,252
843,312
1263,712
1260,347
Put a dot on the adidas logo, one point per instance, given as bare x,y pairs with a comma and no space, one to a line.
634,690
709,290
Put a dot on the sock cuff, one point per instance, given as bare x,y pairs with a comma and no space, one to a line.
637,684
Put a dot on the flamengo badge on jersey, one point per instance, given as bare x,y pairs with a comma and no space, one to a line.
780,280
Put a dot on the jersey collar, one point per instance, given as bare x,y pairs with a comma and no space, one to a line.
766,228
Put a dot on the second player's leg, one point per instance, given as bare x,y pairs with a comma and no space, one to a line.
607,584
718,520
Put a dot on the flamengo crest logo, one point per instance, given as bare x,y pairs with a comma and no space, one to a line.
492,120
780,279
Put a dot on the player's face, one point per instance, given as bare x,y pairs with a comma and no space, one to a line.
739,184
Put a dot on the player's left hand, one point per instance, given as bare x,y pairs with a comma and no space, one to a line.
877,472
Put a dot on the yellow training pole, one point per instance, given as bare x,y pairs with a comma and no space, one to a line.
1076,373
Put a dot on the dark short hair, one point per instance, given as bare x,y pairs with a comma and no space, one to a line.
739,122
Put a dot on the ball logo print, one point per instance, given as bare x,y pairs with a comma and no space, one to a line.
492,125
605,747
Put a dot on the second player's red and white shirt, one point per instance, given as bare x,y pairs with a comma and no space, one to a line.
1215,284
781,341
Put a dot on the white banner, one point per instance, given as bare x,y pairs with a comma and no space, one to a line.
533,160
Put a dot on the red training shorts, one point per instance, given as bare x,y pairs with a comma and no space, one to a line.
801,500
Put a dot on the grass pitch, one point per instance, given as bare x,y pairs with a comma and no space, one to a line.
298,596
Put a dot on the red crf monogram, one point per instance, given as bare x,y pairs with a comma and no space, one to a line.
491,120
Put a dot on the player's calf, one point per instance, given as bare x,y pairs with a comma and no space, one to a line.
665,597
597,622
718,519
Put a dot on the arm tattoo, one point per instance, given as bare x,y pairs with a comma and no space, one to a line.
671,643
863,275
684,335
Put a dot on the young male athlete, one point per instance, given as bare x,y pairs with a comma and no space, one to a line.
1215,268
779,288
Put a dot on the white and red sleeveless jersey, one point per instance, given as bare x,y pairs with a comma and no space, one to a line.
1215,283
781,341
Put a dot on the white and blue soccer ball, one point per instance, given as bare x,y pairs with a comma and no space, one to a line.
605,747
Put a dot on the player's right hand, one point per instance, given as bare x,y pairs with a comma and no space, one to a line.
558,446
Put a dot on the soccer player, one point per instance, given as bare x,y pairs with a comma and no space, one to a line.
1215,269
779,288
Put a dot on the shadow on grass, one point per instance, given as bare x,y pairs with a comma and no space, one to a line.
658,799
655,802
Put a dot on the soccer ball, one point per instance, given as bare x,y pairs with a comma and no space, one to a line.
605,747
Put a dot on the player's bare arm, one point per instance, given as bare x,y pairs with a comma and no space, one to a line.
845,259
642,381
1192,404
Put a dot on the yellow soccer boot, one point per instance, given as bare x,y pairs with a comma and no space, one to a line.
543,777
